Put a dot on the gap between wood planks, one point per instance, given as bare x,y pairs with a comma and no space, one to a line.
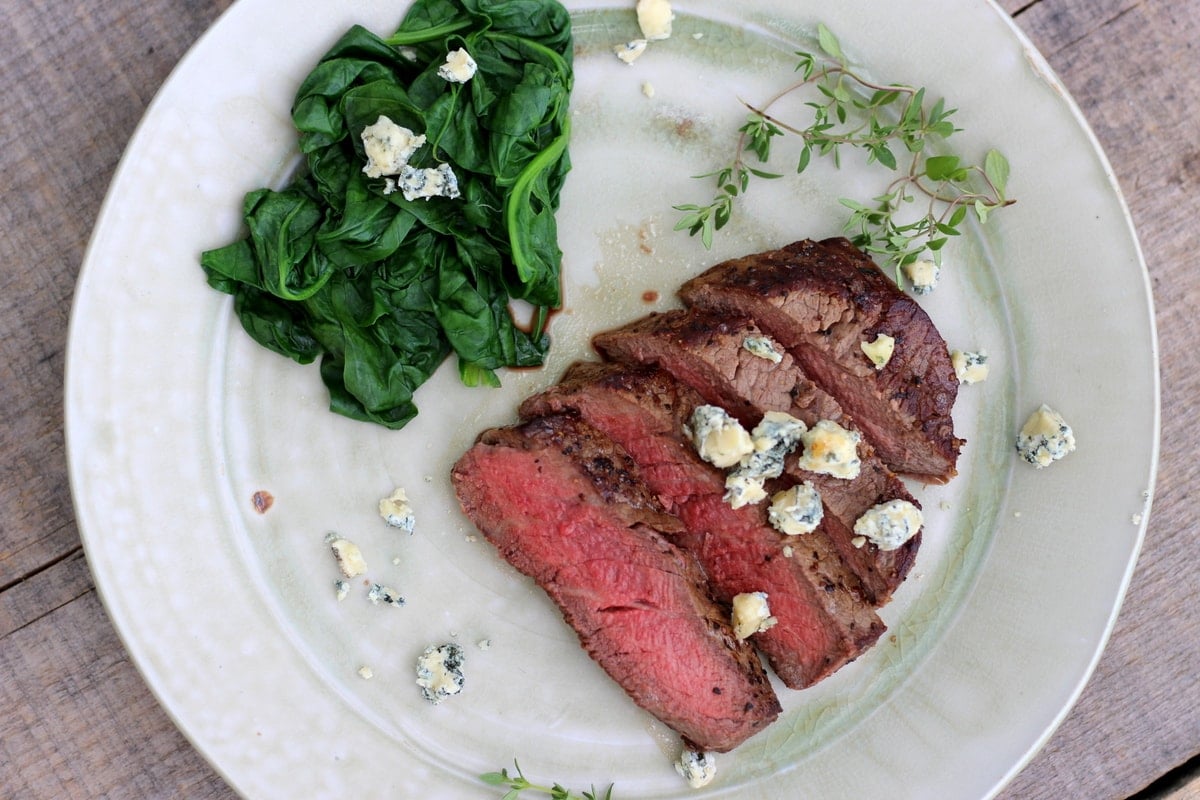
1078,35
44,590
77,549
1182,782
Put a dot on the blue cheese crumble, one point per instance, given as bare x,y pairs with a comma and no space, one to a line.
751,614
439,672
1045,437
698,769
742,489
830,449
776,435
388,147
630,51
654,18
879,350
923,276
349,557
969,367
719,438
890,524
397,512
422,184
796,511
459,67
378,593
762,347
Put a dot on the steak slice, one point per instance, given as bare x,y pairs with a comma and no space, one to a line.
709,354
564,505
822,300
823,619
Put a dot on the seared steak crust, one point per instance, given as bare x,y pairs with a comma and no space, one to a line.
707,352
821,300
823,619
565,506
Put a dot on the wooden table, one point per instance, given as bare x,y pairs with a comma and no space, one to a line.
77,719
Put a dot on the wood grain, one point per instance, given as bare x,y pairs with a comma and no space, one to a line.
1128,728
78,720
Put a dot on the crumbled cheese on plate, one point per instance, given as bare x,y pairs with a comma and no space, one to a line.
349,557
439,672
397,512
922,275
969,367
698,769
1045,437
654,18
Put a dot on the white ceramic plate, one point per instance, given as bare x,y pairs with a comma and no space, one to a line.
175,419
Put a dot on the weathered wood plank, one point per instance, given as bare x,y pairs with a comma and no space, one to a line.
63,162
43,593
1181,783
1190,790
1056,24
1138,717
78,720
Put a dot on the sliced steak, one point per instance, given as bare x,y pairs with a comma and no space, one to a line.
822,300
823,619
709,353
564,506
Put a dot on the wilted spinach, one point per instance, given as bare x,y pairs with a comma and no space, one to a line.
383,289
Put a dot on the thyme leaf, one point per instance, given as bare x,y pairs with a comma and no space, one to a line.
516,783
896,126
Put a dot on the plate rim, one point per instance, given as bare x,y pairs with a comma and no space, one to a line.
78,480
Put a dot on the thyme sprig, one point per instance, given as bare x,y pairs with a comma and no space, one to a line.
518,783
897,128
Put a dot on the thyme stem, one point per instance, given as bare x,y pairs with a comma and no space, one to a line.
873,117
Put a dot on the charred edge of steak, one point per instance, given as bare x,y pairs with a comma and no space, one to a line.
827,622
821,300
638,604
674,400
880,571
609,468
707,352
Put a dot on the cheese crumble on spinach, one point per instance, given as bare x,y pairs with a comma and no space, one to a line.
382,276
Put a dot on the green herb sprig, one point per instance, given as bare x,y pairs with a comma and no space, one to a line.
518,783
896,128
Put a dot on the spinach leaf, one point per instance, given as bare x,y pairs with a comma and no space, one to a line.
339,266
